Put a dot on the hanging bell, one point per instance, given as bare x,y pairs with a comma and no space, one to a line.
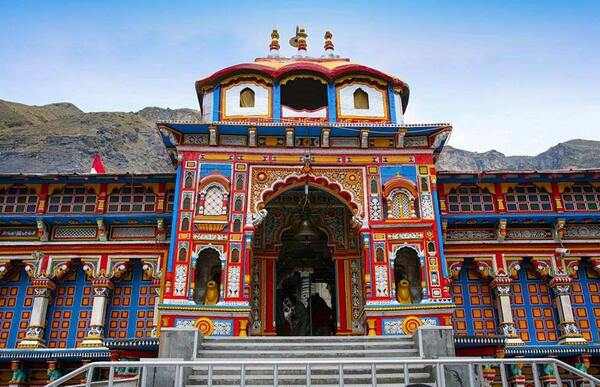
306,232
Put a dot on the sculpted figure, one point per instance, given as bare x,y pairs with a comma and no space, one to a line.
211,294
403,294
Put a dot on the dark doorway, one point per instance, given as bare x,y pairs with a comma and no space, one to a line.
305,298
208,277
304,94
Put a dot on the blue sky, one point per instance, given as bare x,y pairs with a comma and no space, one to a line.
515,76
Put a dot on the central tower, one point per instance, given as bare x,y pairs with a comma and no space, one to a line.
302,188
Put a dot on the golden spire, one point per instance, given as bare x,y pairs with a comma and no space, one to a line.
328,42
274,46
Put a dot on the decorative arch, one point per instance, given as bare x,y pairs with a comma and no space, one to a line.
400,183
208,275
319,182
407,265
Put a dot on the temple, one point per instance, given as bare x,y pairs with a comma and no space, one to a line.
301,204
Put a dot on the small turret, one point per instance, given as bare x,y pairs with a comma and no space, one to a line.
274,46
328,45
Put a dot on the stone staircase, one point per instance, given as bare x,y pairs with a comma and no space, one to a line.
308,348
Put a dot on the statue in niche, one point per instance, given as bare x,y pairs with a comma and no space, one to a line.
403,294
407,273
208,277
211,293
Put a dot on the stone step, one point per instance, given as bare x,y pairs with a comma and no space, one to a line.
336,384
306,353
308,339
241,346
316,368
286,380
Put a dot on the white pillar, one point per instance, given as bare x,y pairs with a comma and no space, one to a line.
101,288
569,331
501,286
34,336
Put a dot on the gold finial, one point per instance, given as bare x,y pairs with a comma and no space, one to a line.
274,46
299,40
328,42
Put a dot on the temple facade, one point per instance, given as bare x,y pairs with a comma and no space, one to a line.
301,204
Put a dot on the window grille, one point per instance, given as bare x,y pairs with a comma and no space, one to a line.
18,200
170,198
213,201
247,97
470,199
132,199
401,205
72,200
527,198
581,197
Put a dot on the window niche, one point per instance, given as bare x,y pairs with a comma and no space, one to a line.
247,98
407,276
361,99
207,277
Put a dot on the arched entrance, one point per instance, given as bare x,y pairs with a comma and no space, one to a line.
207,281
305,258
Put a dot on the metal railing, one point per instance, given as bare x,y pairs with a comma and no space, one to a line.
474,370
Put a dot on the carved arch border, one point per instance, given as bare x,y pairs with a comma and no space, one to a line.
346,184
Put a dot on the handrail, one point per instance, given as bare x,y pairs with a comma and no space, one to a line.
474,364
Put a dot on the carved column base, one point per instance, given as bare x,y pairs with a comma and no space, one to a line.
572,340
514,341
570,334
93,338
34,338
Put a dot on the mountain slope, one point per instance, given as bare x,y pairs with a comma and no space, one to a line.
60,138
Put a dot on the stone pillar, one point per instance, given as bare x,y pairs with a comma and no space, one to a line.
101,288
34,337
569,332
501,286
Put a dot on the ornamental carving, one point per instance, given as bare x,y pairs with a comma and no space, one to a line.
347,183
468,235
582,231
357,296
529,234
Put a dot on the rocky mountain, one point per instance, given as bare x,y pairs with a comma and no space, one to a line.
574,154
60,138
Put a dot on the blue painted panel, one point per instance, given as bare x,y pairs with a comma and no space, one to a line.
136,280
584,281
174,220
440,235
207,169
408,172
391,103
276,101
464,282
216,115
331,103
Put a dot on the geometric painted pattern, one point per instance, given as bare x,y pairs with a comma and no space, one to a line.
69,311
585,300
131,308
13,305
475,311
533,309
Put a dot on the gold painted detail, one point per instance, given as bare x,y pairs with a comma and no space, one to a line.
411,324
205,326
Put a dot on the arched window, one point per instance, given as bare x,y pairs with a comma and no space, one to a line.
214,197
73,200
582,197
237,225
470,199
18,200
189,179
132,199
235,255
361,99
239,182
401,205
170,198
374,188
407,276
185,223
528,198
246,97
187,202
239,204
182,254
379,255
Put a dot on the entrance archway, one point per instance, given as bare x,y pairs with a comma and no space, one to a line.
304,261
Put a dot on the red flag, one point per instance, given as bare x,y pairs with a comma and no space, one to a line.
97,165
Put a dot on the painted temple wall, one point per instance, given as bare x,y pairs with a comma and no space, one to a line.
231,97
377,101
